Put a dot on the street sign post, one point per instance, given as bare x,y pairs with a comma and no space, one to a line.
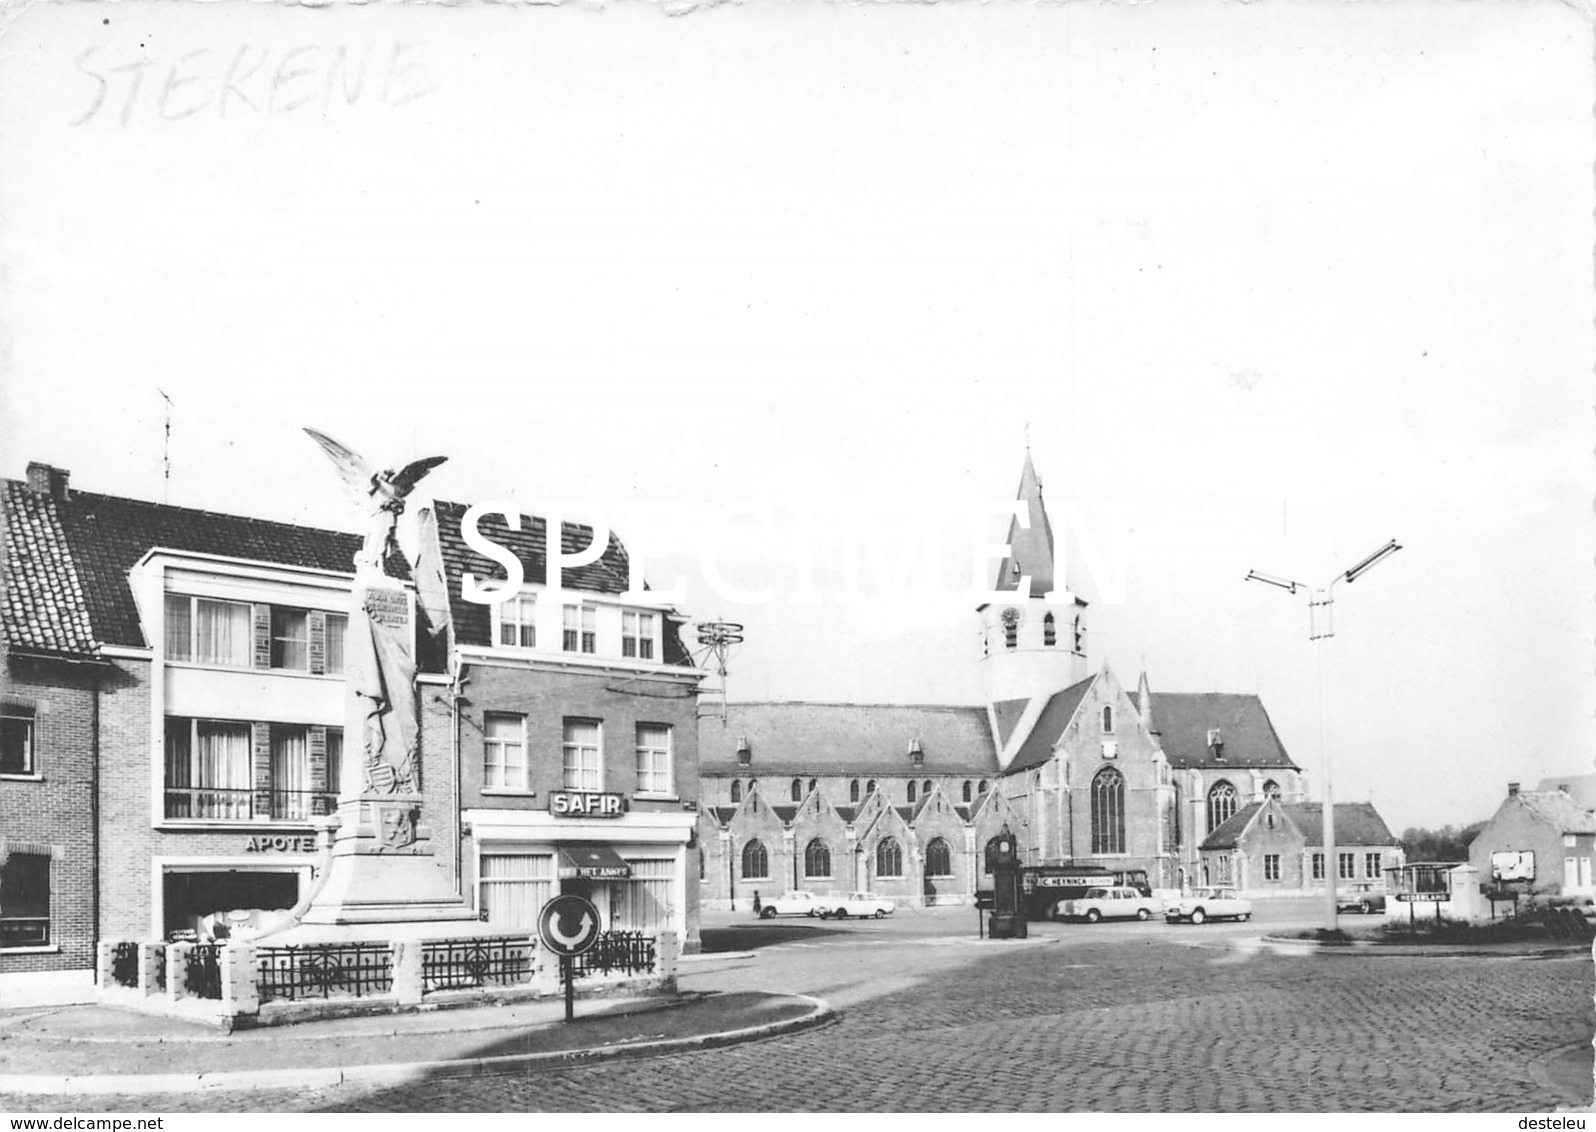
568,926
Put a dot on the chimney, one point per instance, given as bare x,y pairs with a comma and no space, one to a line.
1512,789
46,480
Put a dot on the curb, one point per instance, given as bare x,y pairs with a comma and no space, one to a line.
1368,948
400,1073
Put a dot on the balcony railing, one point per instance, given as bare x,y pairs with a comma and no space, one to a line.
213,803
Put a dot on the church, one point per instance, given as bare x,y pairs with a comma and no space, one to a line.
900,799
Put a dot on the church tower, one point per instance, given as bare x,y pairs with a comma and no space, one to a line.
1031,646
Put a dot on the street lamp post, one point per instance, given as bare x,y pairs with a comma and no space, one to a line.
1321,627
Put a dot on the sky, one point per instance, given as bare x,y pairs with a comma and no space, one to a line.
1262,286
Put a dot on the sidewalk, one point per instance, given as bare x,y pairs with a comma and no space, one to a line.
99,1049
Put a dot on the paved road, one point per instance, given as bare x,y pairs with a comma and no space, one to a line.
1113,1017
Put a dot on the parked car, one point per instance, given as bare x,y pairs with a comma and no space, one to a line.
1117,903
859,904
1209,904
794,903
1363,897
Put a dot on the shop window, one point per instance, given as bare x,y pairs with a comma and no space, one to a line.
518,622
16,739
736,791
1108,811
938,859
513,887
756,861
653,758
1271,864
25,900
1346,866
853,790
1371,866
290,629
582,757
911,791
889,858
817,859
642,902
503,751
1221,804
337,630
638,635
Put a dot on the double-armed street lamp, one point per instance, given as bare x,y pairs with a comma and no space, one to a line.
1321,627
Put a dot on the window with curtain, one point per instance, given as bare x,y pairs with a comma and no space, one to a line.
518,622
817,859
179,627
938,858
503,751
292,799
290,638
643,903
337,630
514,887
223,633
209,773
1221,804
653,758
581,755
1108,811
335,768
756,861
889,858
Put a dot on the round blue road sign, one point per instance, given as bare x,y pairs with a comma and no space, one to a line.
569,925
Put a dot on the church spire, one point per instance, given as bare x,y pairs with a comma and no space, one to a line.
1030,549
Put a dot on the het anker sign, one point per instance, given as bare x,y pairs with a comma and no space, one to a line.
586,804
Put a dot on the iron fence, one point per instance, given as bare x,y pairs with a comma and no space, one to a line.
215,803
468,963
204,967
324,969
624,953
125,964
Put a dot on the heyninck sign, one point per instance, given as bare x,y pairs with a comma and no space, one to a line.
585,804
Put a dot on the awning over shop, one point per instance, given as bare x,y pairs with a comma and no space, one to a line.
591,862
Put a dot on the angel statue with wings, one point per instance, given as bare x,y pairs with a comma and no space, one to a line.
379,661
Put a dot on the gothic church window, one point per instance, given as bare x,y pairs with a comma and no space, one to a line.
853,790
938,860
817,859
967,785
1221,804
889,858
797,790
736,791
1271,789
1108,811
756,861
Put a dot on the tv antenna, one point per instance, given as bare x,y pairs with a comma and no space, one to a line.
166,450
718,639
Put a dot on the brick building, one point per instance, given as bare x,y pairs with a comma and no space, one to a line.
1544,837
901,799
1276,848
577,737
